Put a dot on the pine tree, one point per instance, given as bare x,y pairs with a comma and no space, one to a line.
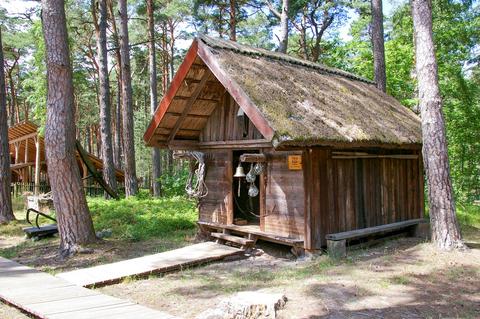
6,213
74,220
131,184
445,229
157,169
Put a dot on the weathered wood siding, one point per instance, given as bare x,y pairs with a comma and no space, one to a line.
285,202
354,193
224,124
216,205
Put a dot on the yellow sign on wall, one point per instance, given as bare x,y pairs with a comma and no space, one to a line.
295,162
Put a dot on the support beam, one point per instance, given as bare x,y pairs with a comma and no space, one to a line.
23,138
189,105
253,158
16,145
37,164
26,151
180,97
196,116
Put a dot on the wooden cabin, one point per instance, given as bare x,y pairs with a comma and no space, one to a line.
338,154
27,157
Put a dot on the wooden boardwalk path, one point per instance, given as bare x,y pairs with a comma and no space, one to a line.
157,263
46,296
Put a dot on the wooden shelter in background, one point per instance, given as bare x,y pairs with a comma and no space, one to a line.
339,154
27,156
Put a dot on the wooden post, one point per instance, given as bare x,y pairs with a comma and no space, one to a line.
26,151
37,164
17,150
230,180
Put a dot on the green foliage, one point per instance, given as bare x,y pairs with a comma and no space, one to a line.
174,185
469,215
141,218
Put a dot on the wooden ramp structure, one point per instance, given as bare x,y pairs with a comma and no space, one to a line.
48,297
144,266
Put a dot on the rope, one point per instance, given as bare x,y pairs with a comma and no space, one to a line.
195,186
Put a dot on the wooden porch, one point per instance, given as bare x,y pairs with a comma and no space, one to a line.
253,232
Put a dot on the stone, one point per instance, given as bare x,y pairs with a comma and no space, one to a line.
337,248
247,305
104,233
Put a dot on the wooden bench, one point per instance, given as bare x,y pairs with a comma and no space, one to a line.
337,243
41,231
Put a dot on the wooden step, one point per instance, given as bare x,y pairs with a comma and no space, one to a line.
234,239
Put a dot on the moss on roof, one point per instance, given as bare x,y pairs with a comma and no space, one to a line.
307,102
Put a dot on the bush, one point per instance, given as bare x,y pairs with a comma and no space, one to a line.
139,218
174,185
468,215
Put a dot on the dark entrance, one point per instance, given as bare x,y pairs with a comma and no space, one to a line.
246,209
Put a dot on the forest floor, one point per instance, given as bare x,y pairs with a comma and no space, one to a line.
401,278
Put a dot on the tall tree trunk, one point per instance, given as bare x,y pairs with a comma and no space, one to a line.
88,139
131,185
378,45
13,99
6,213
445,230
233,21
74,220
157,169
105,110
118,109
283,16
283,46
118,126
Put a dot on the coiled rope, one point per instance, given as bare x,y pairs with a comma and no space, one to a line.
195,187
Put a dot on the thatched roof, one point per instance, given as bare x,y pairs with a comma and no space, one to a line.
308,103
289,100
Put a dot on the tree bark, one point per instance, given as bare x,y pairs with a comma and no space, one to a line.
378,46
233,21
118,126
105,110
6,212
283,16
283,46
131,184
445,229
118,109
74,221
157,169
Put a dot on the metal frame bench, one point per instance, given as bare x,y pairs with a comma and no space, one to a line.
337,243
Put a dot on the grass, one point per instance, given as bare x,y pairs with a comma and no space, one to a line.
144,218
156,225
468,215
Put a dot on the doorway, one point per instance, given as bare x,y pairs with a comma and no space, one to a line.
246,209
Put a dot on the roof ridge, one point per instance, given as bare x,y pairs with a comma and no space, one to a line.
218,43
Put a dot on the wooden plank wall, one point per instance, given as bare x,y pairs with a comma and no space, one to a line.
224,124
347,194
216,205
285,202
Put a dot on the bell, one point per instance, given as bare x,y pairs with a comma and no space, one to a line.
239,172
